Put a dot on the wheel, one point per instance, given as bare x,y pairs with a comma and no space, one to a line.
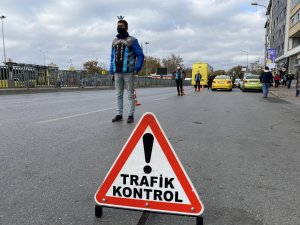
98,211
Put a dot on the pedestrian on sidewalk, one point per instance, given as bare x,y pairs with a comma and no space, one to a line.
283,79
265,78
298,81
276,79
197,80
179,77
289,79
126,61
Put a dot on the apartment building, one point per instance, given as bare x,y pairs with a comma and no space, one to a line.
277,39
293,39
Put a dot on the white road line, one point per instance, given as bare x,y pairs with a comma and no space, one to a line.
75,115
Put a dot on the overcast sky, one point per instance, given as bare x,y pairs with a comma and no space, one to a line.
213,31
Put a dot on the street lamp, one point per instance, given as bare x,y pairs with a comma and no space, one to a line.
44,52
247,57
3,17
254,3
267,13
146,43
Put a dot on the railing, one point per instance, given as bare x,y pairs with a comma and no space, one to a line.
31,77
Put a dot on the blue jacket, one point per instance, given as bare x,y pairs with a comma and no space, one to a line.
126,55
198,77
179,74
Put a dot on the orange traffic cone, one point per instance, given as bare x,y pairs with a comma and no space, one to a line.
136,103
202,87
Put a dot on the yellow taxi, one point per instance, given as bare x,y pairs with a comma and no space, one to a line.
222,82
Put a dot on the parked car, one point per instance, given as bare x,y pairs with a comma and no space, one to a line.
251,82
222,82
237,82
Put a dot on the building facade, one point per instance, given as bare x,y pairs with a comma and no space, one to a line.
279,31
293,51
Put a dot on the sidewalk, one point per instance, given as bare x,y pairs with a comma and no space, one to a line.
285,93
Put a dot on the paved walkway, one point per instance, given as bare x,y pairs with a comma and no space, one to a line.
285,93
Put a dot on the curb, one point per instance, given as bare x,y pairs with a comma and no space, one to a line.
48,90
286,99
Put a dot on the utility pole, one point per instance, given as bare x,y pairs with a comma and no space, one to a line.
146,43
247,58
3,17
44,52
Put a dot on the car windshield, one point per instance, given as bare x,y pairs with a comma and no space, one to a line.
222,77
252,77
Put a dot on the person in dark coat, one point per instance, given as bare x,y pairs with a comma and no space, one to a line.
289,79
197,81
266,79
298,81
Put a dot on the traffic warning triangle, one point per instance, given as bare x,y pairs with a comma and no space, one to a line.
147,175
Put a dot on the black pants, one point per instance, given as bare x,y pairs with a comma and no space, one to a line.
179,86
197,85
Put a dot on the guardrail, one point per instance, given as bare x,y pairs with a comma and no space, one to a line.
35,77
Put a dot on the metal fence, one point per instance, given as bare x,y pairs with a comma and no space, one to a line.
47,77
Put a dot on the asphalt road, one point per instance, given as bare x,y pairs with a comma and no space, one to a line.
241,152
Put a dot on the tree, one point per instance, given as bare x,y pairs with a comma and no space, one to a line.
171,62
236,72
219,72
152,64
92,67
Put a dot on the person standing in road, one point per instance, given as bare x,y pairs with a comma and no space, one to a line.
126,61
209,81
197,80
179,77
265,79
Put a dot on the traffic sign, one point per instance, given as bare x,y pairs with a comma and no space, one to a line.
147,175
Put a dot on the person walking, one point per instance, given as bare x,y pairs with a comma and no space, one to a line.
127,59
283,80
298,81
289,79
265,79
276,79
197,80
179,76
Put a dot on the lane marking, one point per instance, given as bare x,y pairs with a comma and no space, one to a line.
75,115
143,218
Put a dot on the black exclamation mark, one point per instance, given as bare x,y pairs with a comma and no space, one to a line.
148,144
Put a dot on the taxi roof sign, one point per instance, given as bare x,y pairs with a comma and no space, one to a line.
147,175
